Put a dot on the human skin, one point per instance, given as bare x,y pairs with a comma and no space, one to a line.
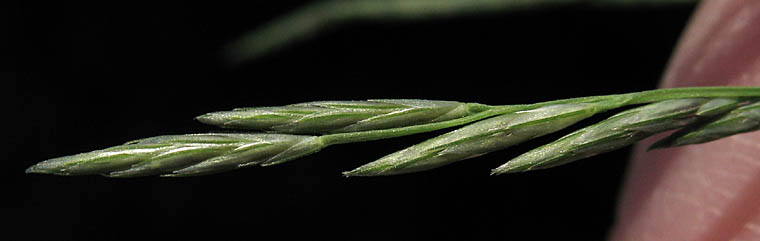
708,191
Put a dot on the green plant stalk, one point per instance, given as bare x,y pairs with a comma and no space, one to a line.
509,129
612,102
608,102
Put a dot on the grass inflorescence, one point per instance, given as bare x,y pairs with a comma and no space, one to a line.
285,133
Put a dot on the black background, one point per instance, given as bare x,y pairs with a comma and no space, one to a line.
85,77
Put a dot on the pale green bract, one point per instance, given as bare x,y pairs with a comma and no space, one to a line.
618,131
741,120
176,155
322,117
477,139
703,113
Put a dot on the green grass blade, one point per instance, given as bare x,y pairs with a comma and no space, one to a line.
320,16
